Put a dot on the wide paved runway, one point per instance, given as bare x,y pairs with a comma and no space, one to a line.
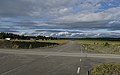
68,59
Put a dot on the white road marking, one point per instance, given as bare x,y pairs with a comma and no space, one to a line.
60,54
80,60
78,70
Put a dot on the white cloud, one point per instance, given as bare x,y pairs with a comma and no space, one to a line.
110,14
114,22
81,35
62,33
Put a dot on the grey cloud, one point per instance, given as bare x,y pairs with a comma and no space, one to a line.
25,23
91,25
45,8
34,8
7,30
13,8
59,30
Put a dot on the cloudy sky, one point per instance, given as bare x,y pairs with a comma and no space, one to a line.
61,18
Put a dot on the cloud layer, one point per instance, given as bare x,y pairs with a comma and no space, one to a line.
61,16
79,10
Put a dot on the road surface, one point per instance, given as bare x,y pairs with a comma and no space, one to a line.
68,59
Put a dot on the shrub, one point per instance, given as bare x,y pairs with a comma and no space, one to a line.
106,44
106,69
15,46
30,46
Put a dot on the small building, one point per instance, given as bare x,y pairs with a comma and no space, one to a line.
7,38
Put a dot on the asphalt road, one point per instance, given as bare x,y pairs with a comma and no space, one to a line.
68,59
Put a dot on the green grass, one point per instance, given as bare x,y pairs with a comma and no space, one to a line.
94,46
99,42
51,41
106,69
29,44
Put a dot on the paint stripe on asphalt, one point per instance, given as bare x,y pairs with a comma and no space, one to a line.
80,60
78,70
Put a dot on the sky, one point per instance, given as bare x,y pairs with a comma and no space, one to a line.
61,18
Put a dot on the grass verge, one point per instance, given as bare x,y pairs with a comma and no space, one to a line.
106,69
107,47
29,44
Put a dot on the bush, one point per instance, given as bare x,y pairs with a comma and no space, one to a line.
15,46
106,69
30,46
106,44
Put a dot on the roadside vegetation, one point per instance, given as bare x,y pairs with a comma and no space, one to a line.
106,69
29,44
4,35
15,41
51,41
95,46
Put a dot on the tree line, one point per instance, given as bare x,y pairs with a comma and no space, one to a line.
97,39
4,35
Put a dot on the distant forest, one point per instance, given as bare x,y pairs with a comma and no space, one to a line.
97,39
4,35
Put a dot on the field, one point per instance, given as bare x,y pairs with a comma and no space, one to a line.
106,69
107,47
29,44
